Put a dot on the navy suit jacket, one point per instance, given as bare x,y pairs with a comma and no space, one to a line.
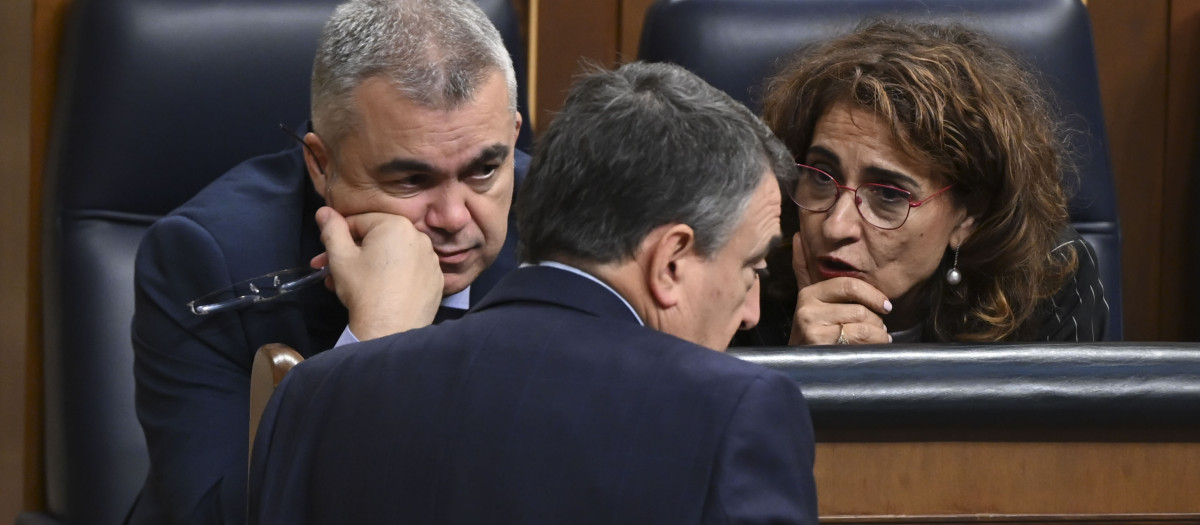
193,373
547,403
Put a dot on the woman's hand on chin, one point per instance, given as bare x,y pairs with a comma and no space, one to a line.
842,310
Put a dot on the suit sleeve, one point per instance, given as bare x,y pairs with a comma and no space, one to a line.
764,467
192,376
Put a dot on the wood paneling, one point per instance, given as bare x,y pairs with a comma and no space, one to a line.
936,478
44,29
563,35
16,41
1181,217
1131,50
633,13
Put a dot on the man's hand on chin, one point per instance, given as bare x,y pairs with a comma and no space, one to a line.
383,270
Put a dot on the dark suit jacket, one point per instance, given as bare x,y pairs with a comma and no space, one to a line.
193,373
547,403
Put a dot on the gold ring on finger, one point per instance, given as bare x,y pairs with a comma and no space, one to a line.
841,340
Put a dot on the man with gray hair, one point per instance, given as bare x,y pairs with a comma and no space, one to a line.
585,388
402,187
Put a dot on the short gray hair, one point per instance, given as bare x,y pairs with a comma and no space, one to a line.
437,53
638,148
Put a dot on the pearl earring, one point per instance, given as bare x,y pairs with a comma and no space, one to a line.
953,276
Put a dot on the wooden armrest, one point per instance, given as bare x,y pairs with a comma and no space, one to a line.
271,362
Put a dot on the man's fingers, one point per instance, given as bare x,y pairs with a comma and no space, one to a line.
393,259
335,232
320,261
362,224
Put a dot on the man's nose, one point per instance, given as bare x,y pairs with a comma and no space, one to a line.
447,210
750,308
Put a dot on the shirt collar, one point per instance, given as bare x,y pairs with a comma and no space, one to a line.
460,300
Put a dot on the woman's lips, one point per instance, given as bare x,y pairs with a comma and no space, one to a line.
831,267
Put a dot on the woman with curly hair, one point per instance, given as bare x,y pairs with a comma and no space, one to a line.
930,204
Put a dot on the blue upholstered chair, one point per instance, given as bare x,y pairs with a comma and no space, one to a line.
736,45
156,99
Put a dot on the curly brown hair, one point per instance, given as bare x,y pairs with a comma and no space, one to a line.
970,109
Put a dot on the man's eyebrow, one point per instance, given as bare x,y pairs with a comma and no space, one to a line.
493,153
407,165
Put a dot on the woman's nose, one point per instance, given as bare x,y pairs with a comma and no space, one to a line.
843,220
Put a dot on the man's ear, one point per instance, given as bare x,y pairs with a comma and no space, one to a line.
316,159
517,125
670,251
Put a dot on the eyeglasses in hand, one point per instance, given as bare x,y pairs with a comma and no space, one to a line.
257,290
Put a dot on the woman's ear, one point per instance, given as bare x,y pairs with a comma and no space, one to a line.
961,232
669,252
